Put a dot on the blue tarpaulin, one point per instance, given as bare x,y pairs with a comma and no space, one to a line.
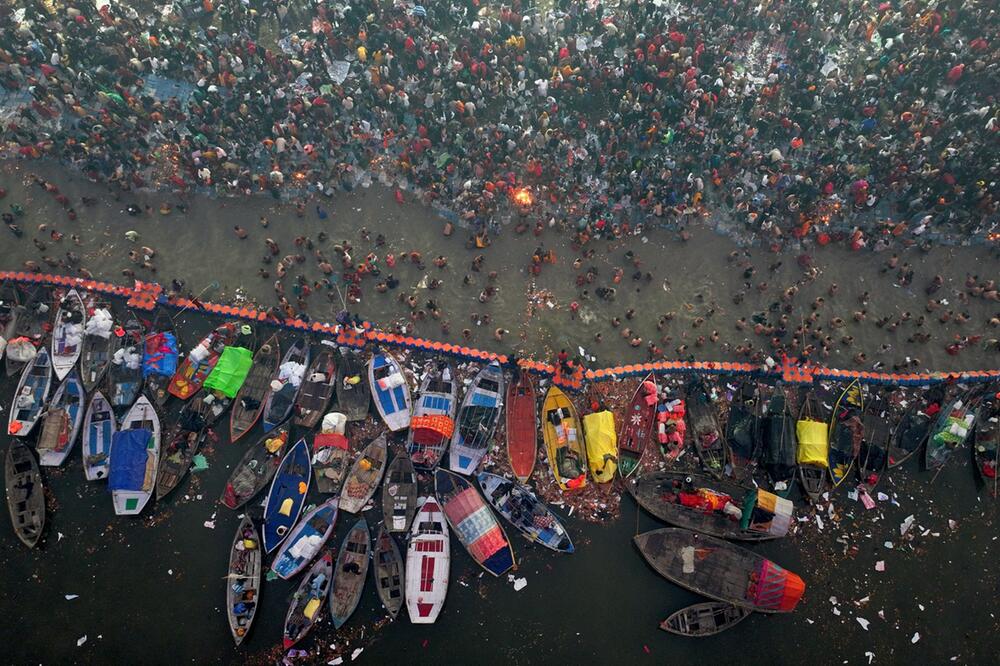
159,355
128,459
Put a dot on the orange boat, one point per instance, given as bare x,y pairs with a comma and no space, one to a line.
191,374
522,427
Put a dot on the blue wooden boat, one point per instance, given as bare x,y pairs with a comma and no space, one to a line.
477,419
433,421
32,391
287,495
306,540
390,391
473,523
61,425
99,427
525,512
278,404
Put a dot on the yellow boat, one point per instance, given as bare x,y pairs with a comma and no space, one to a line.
564,440
602,445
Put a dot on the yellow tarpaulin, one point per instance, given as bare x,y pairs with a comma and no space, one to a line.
602,445
814,443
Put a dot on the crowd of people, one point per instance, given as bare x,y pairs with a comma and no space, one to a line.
780,116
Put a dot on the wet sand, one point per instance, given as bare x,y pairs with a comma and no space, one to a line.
693,280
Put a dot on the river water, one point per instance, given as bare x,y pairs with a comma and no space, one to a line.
151,590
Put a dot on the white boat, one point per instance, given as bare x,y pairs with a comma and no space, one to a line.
67,334
129,490
99,427
477,419
390,392
32,392
61,423
428,562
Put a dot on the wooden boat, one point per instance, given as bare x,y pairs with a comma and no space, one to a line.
255,471
951,430
139,434
363,479
637,426
243,579
873,456
95,357
846,432
910,434
477,420
703,429
780,446
390,391
710,506
99,427
986,442
331,459
563,436
433,421
249,402
388,571
720,570
25,493
744,436
203,410
399,495
705,619
307,604
181,445
317,386
428,563
193,371
522,426
307,539
30,397
125,371
159,357
601,438
278,403
353,394
10,311
67,334
473,523
61,423
525,512
350,573
812,448
32,320
287,495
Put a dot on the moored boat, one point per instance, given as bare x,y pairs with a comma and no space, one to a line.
284,386
350,573
399,494
473,523
33,317
914,426
307,604
249,402
363,479
353,394
256,469
433,420
307,539
813,447
159,357
193,371
602,445
637,426
705,619
388,572
951,430
126,368
846,432
720,570
873,456
331,454
25,493
525,512
243,579
30,396
287,495
718,508
522,425
99,427
135,456
428,563
986,441
317,386
477,420
563,436
703,428
180,446
743,433
98,345
780,446
61,423
67,334
390,391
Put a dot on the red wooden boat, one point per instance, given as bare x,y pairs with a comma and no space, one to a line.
193,372
522,428
637,426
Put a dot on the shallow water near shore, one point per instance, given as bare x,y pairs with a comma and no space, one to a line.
151,590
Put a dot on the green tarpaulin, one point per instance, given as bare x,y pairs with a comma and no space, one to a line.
231,371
